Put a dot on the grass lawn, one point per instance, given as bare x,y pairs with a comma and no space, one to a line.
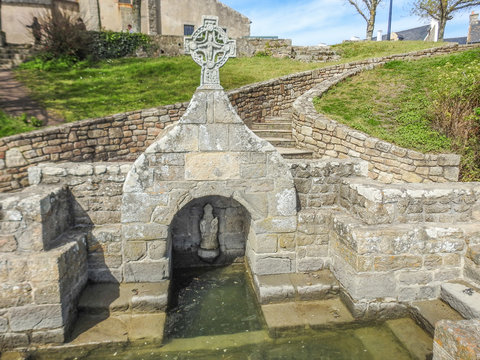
11,125
397,102
129,84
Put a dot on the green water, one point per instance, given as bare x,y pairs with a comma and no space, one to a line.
213,314
213,301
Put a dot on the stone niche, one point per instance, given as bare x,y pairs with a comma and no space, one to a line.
209,154
233,228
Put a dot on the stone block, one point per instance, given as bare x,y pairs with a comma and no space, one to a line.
276,225
457,340
134,250
148,271
7,243
274,288
56,336
272,264
461,297
149,231
212,166
157,249
372,286
13,340
35,317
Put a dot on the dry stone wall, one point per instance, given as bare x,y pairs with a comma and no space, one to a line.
124,136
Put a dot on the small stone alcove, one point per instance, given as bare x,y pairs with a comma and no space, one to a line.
233,229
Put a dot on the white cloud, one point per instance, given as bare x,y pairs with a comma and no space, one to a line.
309,22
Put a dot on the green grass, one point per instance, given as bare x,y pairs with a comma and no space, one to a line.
11,125
109,87
130,84
351,51
394,102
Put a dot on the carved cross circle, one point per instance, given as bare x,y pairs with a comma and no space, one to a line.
210,48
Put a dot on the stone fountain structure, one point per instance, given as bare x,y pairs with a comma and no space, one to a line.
208,191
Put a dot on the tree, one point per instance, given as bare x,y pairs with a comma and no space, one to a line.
368,10
441,10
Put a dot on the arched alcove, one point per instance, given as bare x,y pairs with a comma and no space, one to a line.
185,235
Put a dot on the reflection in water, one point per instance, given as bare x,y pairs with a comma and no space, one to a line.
213,315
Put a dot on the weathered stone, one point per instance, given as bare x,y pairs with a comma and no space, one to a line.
464,299
36,317
14,158
150,271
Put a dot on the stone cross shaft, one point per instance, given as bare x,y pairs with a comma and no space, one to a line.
210,48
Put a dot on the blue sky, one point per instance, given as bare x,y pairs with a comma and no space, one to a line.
310,22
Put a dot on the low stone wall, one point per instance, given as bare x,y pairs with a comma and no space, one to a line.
387,162
124,136
248,47
167,45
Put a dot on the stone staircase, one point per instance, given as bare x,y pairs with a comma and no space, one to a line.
14,54
277,130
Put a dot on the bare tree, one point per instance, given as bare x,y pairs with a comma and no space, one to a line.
441,10
368,10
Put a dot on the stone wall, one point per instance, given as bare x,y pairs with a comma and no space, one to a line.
96,190
124,136
40,284
387,162
248,47
167,45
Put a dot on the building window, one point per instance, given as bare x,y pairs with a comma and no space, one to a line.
188,30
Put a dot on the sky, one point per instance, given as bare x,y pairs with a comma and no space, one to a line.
311,22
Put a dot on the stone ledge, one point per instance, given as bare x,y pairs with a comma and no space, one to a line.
318,285
457,340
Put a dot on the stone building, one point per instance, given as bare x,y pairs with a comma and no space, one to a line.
162,17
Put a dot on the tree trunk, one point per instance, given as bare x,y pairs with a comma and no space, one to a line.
441,27
370,26
371,20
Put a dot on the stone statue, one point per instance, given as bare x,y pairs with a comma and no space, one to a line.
209,246
210,48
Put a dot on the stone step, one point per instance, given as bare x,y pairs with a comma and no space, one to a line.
298,315
117,328
463,297
412,337
278,119
271,126
295,153
283,134
280,142
107,298
428,313
318,285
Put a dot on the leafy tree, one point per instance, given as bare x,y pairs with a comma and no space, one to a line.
441,10
368,10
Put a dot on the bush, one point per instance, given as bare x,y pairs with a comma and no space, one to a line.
61,37
111,45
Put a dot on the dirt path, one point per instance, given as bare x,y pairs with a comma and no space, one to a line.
15,100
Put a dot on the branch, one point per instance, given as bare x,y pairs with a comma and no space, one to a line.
354,3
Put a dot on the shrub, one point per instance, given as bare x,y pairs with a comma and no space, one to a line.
111,45
61,37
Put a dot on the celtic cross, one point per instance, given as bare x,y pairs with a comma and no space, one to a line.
210,48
